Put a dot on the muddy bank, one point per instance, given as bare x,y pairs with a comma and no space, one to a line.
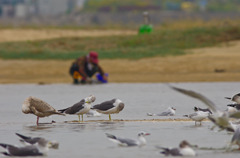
201,65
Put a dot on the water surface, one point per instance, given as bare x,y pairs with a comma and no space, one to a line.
88,138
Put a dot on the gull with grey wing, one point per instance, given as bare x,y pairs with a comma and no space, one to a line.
109,107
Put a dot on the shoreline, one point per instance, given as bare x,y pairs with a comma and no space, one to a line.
215,64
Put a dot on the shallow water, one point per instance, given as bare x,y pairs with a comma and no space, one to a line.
88,138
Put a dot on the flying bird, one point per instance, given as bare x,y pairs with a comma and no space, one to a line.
109,107
184,149
219,118
80,108
35,140
170,111
38,107
141,141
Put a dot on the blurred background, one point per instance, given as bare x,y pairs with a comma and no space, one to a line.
111,12
137,40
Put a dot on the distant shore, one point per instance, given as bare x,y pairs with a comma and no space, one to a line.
216,64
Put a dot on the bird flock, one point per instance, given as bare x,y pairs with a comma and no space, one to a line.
40,108
38,146
219,118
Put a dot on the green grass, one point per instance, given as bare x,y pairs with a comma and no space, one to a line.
163,41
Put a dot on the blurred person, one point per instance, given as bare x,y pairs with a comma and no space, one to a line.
83,68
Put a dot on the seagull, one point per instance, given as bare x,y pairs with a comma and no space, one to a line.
200,109
80,108
141,141
38,107
184,149
30,150
235,98
109,107
198,116
219,118
34,140
170,111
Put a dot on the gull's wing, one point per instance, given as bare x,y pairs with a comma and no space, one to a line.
122,141
198,96
165,113
29,140
169,151
193,114
128,142
104,106
74,109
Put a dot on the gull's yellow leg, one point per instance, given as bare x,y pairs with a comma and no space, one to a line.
110,118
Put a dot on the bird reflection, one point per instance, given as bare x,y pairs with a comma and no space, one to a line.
110,125
39,127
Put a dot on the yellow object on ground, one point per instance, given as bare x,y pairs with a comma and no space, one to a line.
76,75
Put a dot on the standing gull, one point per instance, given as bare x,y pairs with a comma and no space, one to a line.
219,118
129,142
38,107
109,107
184,149
80,108
198,116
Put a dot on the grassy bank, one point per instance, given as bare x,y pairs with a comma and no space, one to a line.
165,40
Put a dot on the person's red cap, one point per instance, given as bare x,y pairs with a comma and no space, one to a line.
94,57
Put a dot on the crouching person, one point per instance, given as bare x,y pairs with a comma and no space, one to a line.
83,69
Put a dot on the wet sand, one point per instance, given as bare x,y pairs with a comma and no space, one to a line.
137,120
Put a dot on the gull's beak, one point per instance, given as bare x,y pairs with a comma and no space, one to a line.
146,134
87,101
228,98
